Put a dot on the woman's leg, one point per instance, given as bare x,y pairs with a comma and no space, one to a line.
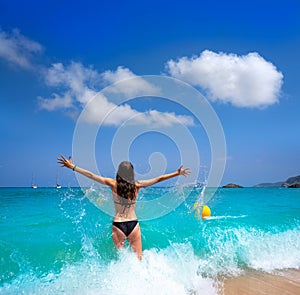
118,237
135,241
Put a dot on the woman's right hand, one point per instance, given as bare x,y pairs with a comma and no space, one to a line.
66,163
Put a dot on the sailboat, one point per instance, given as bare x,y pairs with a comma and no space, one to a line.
33,185
57,185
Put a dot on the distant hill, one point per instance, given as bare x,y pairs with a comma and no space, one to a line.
232,185
292,182
270,184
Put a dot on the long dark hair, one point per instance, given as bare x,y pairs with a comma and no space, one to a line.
125,181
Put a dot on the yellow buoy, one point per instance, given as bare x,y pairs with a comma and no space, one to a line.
205,211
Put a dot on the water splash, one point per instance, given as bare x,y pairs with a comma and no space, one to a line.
173,270
198,205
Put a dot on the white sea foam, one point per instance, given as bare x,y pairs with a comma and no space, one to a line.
269,252
235,249
177,269
225,217
163,272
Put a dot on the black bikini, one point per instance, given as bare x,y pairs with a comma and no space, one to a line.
126,226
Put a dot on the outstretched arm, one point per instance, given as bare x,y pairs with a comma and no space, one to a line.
69,164
180,171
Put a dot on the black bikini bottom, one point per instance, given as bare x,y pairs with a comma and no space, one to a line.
126,226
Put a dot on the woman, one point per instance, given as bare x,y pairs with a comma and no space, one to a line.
124,190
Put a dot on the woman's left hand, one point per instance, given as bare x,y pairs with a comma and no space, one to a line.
183,171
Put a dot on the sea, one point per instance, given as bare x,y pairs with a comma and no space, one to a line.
57,241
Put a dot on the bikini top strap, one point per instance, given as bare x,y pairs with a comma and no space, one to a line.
125,202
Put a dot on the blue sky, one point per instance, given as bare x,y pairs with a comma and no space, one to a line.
243,56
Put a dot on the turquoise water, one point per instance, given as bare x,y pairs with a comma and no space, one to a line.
55,241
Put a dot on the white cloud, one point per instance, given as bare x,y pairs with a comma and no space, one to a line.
78,87
74,81
17,49
56,102
154,117
100,110
134,85
244,81
120,74
80,81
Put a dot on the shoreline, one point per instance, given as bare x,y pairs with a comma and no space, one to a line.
285,282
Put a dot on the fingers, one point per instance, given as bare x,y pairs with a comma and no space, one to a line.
179,170
186,172
60,161
63,157
63,161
